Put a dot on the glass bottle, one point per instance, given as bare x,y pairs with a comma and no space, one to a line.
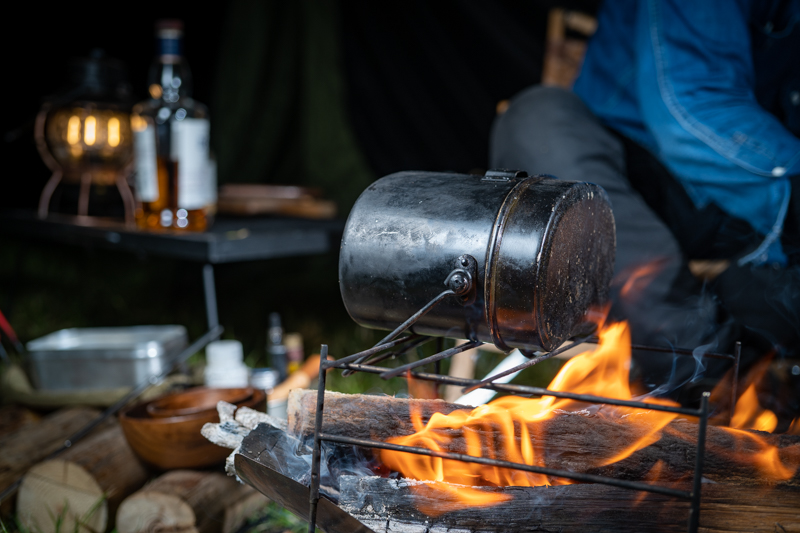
175,180
275,346
294,351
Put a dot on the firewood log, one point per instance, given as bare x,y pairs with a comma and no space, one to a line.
187,501
15,417
388,505
33,442
569,441
393,506
85,483
360,415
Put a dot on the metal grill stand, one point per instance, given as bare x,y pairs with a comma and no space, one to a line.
460,284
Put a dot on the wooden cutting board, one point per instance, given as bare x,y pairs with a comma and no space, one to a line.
262,199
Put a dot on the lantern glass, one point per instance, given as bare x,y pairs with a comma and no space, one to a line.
90,139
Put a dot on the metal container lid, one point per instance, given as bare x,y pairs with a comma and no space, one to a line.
133,342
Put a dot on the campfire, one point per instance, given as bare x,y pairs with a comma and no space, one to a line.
744,465
515,429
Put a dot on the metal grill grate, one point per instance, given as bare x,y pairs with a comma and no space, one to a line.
364,362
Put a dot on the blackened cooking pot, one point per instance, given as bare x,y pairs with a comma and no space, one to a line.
541,251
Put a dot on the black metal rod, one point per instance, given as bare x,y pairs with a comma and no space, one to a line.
737,355
694,512
536,391
437,368
397,353
588,478
526,364
405,349
313,493
122,402
433,358
210,291
416,316
339,363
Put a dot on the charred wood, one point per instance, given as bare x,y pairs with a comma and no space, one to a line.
392,506
573,441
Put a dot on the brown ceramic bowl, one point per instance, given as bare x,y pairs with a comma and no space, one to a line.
195,400
175,442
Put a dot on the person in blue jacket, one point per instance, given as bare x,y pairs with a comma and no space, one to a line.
688,113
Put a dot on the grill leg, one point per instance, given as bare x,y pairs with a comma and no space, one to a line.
313,496
694,513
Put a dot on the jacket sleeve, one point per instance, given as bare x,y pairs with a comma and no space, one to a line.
705,79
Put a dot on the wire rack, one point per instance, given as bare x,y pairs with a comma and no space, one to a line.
396,345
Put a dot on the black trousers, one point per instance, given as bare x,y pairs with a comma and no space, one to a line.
550,131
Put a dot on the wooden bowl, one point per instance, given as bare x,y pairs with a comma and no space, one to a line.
195,400
175,442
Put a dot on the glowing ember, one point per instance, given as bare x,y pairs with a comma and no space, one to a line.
510,428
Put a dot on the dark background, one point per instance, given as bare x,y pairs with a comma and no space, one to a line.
327,93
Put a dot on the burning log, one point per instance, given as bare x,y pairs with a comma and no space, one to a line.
573,441
388,505
360,415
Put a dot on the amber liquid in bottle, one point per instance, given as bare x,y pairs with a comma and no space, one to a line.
175,184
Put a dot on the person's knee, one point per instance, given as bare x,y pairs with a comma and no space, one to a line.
543,99
529,109
535,131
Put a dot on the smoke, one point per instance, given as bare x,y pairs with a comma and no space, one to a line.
667,307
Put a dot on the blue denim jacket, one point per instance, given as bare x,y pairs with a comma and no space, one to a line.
712,88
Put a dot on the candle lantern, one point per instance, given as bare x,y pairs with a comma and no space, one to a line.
83,133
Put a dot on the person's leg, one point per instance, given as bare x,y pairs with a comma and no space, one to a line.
550,131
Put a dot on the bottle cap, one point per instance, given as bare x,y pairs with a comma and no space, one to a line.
169,24
224,353
227,378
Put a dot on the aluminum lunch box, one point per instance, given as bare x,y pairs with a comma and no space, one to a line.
103,358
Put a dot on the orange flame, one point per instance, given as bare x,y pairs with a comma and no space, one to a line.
506,428
749,414
766,457
638,277
510,429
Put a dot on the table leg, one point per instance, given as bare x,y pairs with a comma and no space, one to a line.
211,296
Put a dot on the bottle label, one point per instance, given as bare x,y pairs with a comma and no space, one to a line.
189,147
144,146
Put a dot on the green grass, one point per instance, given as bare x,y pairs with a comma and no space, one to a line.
58,520
274,519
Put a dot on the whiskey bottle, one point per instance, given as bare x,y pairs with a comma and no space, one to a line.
175,181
